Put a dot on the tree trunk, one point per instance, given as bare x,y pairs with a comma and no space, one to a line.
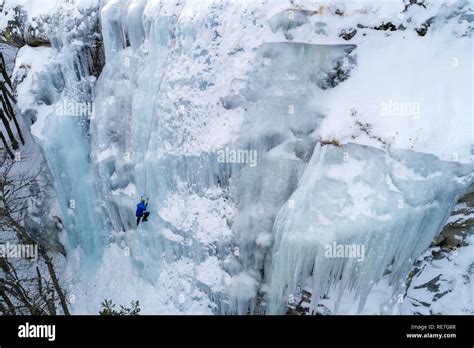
5,144
9,130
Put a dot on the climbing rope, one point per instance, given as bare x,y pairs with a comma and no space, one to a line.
168,55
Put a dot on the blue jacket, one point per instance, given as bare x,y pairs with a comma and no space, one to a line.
141,208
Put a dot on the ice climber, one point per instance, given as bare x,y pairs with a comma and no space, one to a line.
141,210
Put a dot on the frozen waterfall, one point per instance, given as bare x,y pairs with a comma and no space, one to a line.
262,155
386,205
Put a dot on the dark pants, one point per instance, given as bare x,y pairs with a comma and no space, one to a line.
144,215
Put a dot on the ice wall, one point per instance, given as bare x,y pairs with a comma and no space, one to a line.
197,110
54,85
283,113
160,91
389,204
267,77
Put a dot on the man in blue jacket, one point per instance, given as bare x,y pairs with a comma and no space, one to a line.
141,210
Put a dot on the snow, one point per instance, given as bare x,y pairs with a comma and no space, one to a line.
264,240
243,288
205,217
34,8
107,153
37,8
433,131
168,234
117,279
210,274
31,61
130,191
455,294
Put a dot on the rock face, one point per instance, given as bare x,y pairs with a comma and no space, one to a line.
12,34
348,34
40,31
301,305
441,280
459,225
21,31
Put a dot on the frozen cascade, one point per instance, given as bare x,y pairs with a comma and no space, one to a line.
55,89
230,237
192,212
181,163
368,192
281,125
